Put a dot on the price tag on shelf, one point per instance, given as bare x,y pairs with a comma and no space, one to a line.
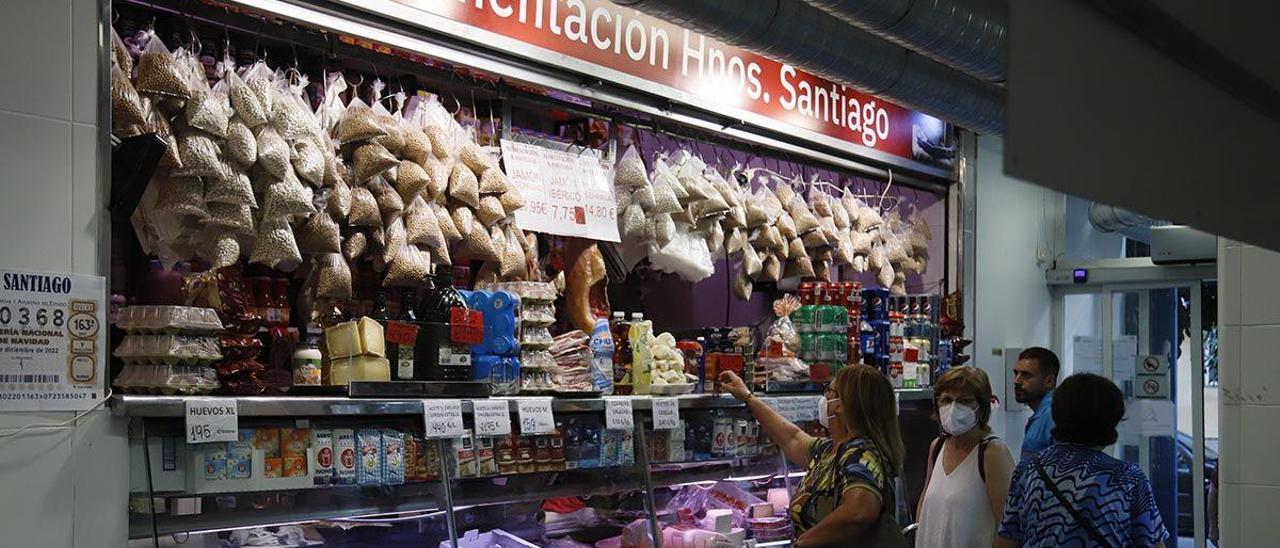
617,414
211,420
466,326
443,418
401,333
535,416
795,408
666,413
492,417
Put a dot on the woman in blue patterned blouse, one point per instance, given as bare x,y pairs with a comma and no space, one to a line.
1075,495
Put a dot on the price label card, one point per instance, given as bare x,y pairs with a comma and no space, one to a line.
466,326
443,418
401,333
535,416
493,417
617,414
795,408
666,413
212,420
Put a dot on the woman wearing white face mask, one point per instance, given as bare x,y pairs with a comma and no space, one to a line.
847,497
967,466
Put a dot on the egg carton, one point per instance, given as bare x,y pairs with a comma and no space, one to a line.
168,349
538,314
169,319
529,292
531,359
536,337
169,380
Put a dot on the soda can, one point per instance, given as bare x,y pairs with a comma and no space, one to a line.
809,346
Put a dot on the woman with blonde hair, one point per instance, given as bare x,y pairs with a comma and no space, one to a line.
847,497
969,470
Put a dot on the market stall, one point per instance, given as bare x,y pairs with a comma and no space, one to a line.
379,285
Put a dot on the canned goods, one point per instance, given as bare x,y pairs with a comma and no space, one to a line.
809,346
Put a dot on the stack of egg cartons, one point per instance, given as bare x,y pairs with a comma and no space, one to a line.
535,313
168,350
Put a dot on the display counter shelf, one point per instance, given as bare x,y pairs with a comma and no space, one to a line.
319,406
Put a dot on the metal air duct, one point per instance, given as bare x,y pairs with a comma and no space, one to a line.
1109,218
799,34
969,35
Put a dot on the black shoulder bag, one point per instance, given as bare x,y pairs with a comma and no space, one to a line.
1066,503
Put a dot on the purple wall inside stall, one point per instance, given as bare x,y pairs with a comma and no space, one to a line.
676,305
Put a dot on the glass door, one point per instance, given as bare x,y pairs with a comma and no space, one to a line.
1147,339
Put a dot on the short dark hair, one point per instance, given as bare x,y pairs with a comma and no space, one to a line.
1045,358
1086,410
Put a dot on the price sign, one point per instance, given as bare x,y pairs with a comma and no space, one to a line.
666,413
443,418
795,408
493,417
569,193
401,333
535,416
212,420
617,414
466,326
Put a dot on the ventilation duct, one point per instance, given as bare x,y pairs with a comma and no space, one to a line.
969,35
1135,226
799,34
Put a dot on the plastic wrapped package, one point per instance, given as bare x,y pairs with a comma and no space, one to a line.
664,174
463,185
260,80
511,200
120,55
785,192
168,319
839,214
241,145
389,202
358,123
644,196
422,227
663,229
198,153
369,160
876,258
167,348
475,158
333,277
238,218
715,238
411,180
410,267
664,199
815,239
394,141
804,219
480,245
893,250
441,145
292,116
159,73
364,208
438,179
870,219
275,247
771,268
463,220
886,275
273,152
798,266
820,203
686,255
859,263
246,105
126,104
513,260
417,147
861,241
211,113
396,238
445,220
354,246
182,195
319,234
286,198
230,186
742,286
221,250
493,181
630,171
751,263
490,211
308,161
339,205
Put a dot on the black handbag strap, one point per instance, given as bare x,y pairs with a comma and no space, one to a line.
982,450
1062,499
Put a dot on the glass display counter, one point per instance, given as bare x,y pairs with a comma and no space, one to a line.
344,472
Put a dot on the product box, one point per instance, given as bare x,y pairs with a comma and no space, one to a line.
506,455
344,462
267,440
322,449
590,433
392,457
525,462
273,467
626,448
556,460
215,462
412,458
432,460
295,467
698,437
675,444
542,454
463,456
486,460
369,454
244,438
572,444
293,441
609,447
239,462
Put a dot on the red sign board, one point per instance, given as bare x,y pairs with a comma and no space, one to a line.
644,47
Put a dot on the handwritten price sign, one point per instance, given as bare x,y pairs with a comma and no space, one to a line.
536,416
566,193
666,413
617,414
212,420
443,418
493,417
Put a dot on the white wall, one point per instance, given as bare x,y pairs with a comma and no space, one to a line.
1249,405
1011,300
60,487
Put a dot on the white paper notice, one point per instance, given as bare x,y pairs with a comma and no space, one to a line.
618,414
666,413
1154,417
493,417
212,420
795,408
535,416
443,418
565,193
53,340
1086,355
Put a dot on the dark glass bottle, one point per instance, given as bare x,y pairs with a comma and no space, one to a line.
447,361
404,361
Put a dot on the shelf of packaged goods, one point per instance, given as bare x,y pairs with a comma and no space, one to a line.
336,503
319,406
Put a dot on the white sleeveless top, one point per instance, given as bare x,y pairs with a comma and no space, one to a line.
956,512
